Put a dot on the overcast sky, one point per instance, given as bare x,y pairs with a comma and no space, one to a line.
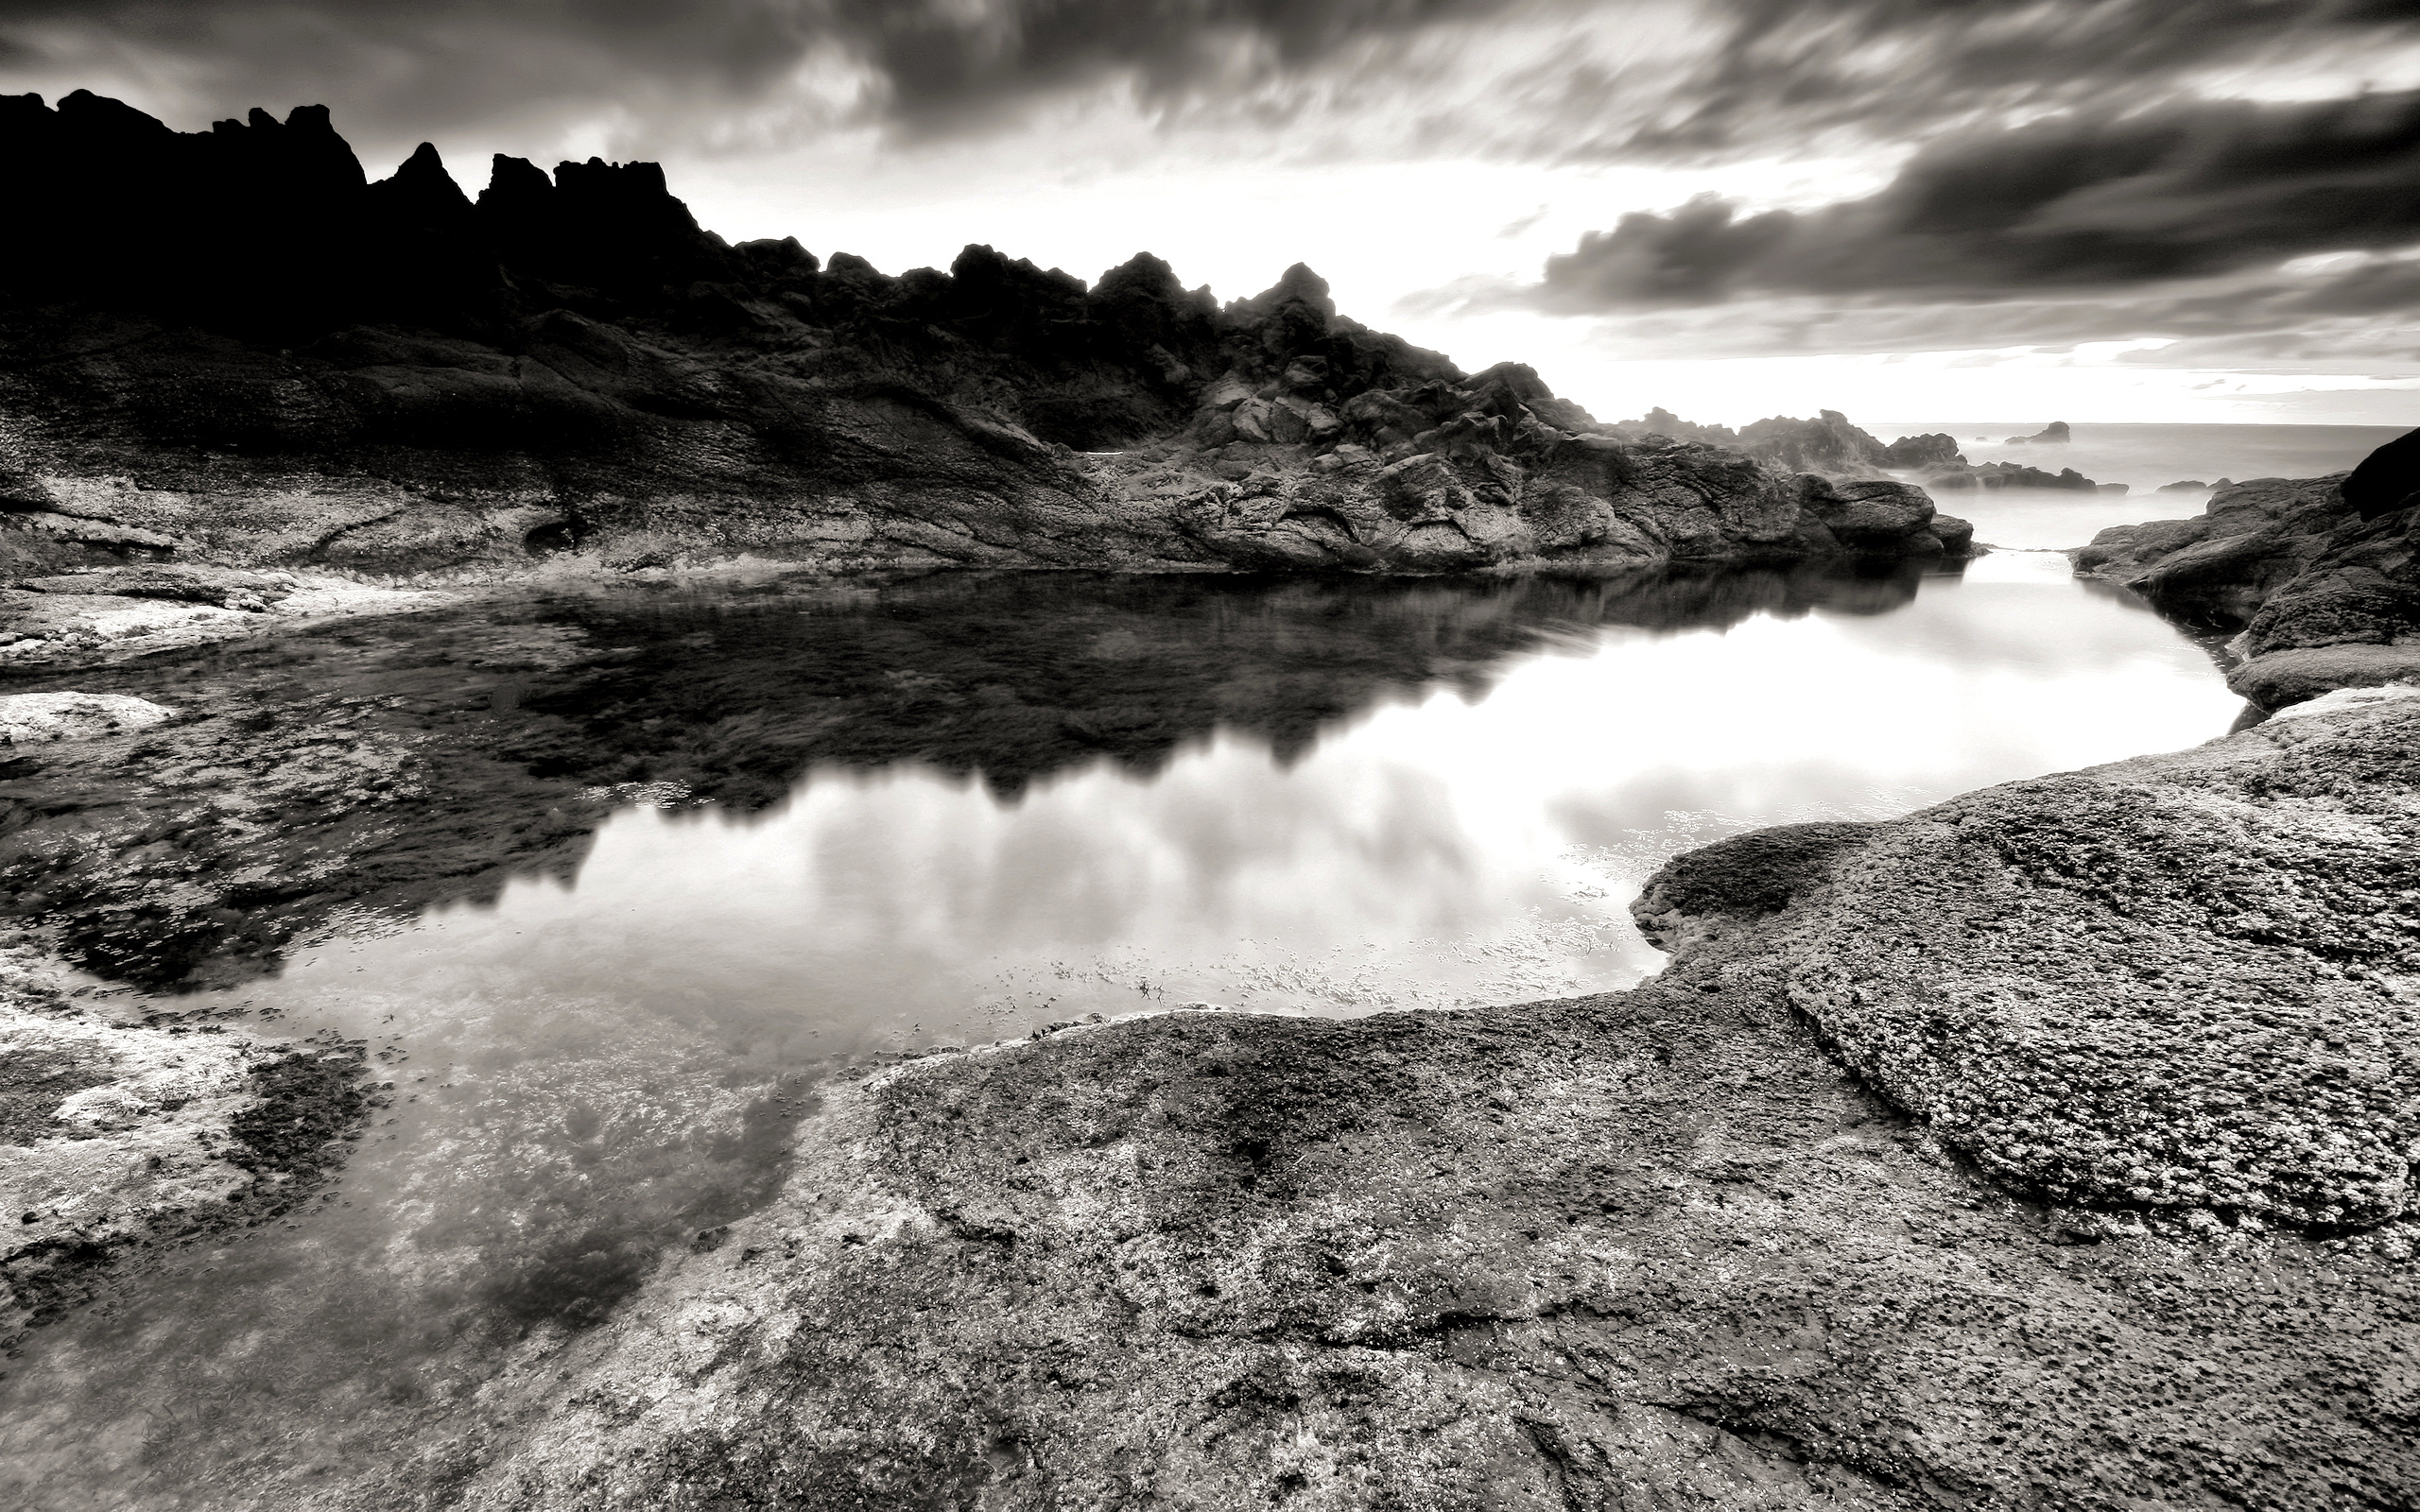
1951,210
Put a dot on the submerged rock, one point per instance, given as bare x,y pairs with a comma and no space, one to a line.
119,1139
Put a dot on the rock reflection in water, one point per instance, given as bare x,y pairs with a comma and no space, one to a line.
947,811
396,764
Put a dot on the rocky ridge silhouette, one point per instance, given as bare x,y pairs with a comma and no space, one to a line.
235,349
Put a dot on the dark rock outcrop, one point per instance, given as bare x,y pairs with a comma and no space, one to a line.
2318,593
2054,433
2387,480
1827,443
1648,1248
2017,475
1936,448
1830,446
393,376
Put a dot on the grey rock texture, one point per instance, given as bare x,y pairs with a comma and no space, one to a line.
1652,1249
46,718
2319,592
2186,982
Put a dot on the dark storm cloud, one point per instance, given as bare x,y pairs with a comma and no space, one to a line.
2321,320
1787,68
933,65
942,68
2097,201
1752,75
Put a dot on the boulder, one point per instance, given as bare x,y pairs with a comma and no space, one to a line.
1868,515
2054,433
2284,678
46,718
1932,451
1423,487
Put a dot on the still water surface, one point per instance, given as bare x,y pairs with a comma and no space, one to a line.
591,1068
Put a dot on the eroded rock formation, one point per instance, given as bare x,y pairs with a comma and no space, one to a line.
393,376
2317,580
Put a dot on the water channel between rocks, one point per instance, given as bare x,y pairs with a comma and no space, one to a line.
1297,797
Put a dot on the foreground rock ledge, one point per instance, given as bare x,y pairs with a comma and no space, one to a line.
1648,1249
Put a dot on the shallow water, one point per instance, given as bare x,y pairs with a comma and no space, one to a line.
1066,796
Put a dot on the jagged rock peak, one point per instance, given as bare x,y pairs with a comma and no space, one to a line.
512,181
422,187
1297,286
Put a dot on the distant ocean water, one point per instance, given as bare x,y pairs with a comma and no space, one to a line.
2144,457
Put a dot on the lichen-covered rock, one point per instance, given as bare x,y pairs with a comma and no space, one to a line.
2176,983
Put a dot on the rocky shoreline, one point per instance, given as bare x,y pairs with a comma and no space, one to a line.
2110,1212
571,371
2049,1147
2313,584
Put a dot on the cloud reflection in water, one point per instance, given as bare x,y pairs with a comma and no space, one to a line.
903,904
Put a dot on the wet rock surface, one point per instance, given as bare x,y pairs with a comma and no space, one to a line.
46,718
2316,584
1650,1250
120,1138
